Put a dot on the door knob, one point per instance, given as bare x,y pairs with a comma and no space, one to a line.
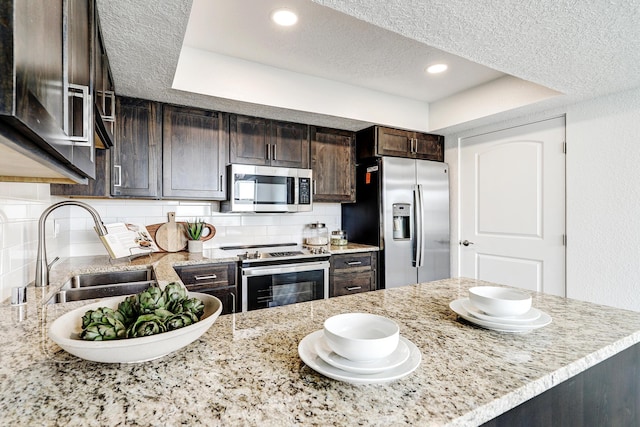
466,243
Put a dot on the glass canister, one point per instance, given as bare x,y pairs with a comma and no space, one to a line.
316,234
339,238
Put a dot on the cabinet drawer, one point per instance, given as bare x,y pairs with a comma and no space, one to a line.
352,262
207,276
352,283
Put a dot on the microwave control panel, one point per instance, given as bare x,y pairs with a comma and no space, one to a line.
304,194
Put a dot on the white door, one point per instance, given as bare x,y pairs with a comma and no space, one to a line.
512,206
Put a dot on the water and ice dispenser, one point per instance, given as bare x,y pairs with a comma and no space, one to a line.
401,216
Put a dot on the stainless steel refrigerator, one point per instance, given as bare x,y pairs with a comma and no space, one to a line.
402,206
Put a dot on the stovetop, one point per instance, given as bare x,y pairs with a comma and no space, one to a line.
283,251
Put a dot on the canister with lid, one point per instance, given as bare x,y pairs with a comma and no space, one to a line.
339,238
316,234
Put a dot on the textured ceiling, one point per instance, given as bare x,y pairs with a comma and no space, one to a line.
580,48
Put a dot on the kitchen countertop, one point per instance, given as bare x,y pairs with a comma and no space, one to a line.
245,370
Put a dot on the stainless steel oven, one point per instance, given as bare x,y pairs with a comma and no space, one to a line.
271,278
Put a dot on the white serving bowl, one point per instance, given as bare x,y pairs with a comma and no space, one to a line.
500,302
361,337
65,331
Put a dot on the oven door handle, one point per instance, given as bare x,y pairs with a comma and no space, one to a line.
290,268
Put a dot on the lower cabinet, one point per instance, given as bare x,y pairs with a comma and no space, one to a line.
218,280
352,273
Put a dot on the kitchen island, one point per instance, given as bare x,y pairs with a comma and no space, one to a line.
245,370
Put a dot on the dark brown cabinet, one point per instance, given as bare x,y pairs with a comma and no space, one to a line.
194,152
218,280
46,83
333,164
258,141
104,94
382,141
353,273
136,155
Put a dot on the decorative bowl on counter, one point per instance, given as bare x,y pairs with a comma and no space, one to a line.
361,337
500,302
65,331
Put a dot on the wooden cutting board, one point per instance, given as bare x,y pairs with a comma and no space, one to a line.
172,237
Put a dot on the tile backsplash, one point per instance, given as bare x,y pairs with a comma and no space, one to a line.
69,230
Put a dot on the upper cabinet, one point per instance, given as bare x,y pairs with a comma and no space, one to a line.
46,86
258,141
333,164
104,99
136,155
194,147
382,141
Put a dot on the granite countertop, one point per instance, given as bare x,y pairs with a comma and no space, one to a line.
245,370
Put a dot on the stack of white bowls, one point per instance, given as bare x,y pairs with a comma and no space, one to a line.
361,337
500,308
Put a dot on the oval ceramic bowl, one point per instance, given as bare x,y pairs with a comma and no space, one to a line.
498,301
65,331
361,337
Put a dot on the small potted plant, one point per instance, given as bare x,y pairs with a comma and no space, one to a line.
194,233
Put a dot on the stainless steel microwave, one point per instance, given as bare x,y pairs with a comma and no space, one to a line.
267,189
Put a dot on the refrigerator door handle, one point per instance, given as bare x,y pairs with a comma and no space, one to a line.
420,228
418,218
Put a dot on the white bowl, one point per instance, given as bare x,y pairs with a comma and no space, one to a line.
65,331
500,302
361,337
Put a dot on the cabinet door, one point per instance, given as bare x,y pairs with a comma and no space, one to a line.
39,70
103,94
393,142
136,153
429,147
289,145
194,153
79,24
100,186
248,140
333,165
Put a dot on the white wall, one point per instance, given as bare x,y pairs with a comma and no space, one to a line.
69,229
603,196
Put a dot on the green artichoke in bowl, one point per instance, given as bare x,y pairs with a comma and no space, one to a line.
150,312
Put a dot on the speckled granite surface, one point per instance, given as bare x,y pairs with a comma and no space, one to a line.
245,370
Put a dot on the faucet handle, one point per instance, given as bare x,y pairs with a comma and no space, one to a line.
53,262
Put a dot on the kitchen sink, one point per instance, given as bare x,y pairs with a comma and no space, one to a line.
102,285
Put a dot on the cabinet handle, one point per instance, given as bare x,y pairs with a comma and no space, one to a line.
274,151
212,276
354,262
81,91
353,288
268,151
119,175
111,117
221,187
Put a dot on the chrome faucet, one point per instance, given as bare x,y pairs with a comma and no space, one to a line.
42,268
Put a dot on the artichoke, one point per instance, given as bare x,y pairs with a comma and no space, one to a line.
151,299
193,305
150,312
180,320
100,316
129,308
108,327
146,324
174,292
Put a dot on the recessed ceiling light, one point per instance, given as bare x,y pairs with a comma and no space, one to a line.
284,17
437,68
